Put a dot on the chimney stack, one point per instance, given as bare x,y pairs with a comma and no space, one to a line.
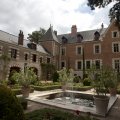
20,38
73,30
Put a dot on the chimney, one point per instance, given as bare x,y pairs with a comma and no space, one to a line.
20,38
73,30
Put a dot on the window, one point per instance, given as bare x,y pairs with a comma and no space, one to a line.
48,60
96,35
34,57
1,50
79,38
63,52
62,64
26,56
116,64
41,59
97,49
97,64
115,34
88,64
64,40
115,47
13,53
79,50
79,65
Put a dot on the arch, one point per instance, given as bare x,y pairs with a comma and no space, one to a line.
13,69
35,70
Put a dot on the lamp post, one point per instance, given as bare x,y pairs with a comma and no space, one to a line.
83,56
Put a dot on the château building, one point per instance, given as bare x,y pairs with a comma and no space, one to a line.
76,50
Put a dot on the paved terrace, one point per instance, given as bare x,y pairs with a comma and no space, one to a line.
114,113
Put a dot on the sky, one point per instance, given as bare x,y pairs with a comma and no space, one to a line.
30,15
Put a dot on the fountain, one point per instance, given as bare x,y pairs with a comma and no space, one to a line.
67,98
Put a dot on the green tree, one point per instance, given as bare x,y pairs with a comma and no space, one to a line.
114,11
36,35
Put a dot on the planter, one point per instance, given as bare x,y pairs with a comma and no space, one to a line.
112,91
101,103
25,91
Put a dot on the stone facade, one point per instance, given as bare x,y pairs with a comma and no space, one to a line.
20,54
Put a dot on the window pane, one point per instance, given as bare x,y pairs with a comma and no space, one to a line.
87,64
79,65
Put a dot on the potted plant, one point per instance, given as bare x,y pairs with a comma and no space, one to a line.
100,81
25,78
113,83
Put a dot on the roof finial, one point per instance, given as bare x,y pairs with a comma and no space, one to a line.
102,26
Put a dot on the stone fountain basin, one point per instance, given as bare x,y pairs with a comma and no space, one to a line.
49,99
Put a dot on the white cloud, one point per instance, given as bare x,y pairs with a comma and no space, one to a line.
30,15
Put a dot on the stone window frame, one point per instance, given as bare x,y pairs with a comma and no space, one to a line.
79,46
113,63
61,63
27,56
100,63
1,50
17,55
117,36
94,49
64,50
76,64
47,59
86,63
113,47
40,59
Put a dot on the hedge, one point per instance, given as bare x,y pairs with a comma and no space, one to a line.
18,91
44,88
54,114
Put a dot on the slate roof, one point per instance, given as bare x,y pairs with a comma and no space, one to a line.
87,35
50,35
7,37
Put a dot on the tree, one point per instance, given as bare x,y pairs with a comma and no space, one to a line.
114,11
36,35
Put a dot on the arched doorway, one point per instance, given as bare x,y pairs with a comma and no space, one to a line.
35,70
12,71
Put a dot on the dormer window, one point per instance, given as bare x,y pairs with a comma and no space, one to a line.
96,35
79,38
64,40
115,34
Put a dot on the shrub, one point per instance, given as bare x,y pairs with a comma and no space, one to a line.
23,102
55,77
86,82
42,88
11,108
19,91
76,79
54,114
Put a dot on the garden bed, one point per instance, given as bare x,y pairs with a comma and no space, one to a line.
54,114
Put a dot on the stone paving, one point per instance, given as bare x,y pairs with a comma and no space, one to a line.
114,113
